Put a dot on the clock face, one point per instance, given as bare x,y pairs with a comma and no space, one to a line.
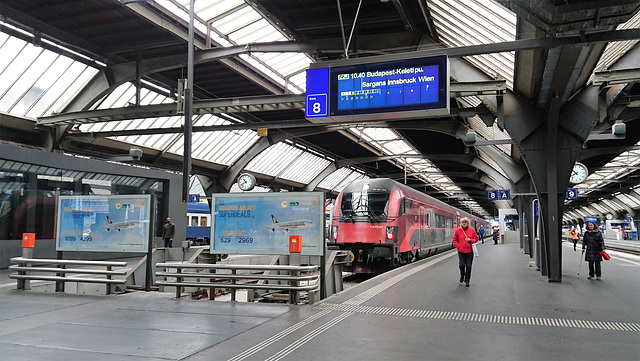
579,173
246,182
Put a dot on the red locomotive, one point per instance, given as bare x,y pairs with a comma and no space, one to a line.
385,224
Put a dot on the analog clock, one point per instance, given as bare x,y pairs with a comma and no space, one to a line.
246,181
579,173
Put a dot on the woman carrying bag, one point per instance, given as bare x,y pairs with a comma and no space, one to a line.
593,241
463,238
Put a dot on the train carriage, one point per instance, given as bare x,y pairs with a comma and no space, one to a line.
385,224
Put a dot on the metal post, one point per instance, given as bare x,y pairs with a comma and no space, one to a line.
178,280
149,265
188,93
109,268
60,284
233,288
294,296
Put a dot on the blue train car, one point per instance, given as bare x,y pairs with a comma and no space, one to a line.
198,223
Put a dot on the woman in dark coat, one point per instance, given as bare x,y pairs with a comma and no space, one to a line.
594,243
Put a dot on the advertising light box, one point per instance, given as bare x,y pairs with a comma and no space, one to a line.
262,223
103,223
397,89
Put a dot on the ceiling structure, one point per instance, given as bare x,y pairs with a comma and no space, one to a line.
101,76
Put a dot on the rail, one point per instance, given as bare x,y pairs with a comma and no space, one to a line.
25,269
215,280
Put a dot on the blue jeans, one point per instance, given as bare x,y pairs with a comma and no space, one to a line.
168,242
465,260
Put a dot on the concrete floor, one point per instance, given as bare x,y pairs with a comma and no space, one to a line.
419,312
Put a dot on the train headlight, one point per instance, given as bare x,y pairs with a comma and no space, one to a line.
390,233
334,232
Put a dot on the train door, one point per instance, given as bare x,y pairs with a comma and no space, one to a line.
423,218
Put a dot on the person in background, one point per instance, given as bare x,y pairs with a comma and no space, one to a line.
593,241
496,234
168,231
482,234
574,237
463,238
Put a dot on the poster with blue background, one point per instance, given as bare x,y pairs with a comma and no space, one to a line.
261,223
117,223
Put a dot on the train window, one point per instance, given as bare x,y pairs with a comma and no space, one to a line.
203,221
194,220
405,207
364,204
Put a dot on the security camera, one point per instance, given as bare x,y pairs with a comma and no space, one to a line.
135,153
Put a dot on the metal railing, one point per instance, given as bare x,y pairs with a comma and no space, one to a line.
25,267
231,277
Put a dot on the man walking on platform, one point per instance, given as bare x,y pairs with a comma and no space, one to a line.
482,234
168,231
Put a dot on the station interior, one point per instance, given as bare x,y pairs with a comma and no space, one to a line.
180,100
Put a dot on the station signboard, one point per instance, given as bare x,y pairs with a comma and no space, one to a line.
394,89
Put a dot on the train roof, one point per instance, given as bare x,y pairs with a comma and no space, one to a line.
386,184
198,208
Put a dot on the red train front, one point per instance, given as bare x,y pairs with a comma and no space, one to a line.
385,224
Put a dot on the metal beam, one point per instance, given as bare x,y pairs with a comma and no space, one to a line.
241,105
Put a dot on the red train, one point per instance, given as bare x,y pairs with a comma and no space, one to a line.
385,224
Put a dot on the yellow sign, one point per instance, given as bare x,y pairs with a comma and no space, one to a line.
263,132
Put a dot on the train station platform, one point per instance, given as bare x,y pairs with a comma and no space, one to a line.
418,312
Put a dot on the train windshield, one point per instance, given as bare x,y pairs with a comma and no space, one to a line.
373,205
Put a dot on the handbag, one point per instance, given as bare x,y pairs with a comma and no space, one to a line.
605,255
475,250
473,245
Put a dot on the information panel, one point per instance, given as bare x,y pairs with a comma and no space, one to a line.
401,89
103,223
261,223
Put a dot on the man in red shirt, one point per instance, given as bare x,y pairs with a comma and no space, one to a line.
463,238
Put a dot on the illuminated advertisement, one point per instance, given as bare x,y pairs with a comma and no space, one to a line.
406,88
262,223
103,223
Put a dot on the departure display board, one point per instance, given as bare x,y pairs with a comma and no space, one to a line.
399,89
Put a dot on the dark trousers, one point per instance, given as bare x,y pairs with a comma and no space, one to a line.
465,260
575,243
598,269
168,242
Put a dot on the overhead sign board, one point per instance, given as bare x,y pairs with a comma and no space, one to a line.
262,223
117,223
499,195
394,89
572,193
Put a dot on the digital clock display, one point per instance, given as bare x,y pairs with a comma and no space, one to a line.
397,89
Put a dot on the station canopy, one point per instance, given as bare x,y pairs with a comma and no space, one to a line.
42,76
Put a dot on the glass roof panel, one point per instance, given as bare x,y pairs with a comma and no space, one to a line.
35,82
612,205
618,168
306,167
274,159
616,49
475,22
338,179
629,200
